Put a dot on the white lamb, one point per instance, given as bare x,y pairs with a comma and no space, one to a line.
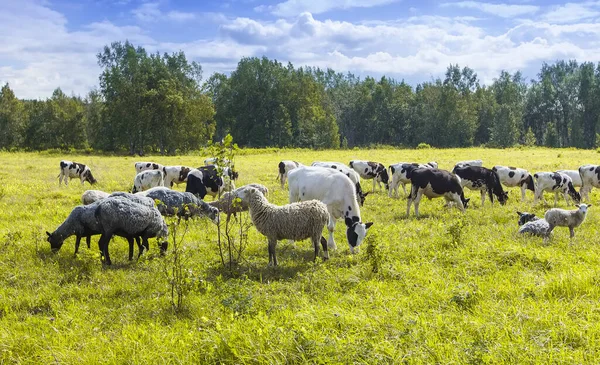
295,221
90,196
557,217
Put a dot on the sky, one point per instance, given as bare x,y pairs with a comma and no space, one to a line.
45,44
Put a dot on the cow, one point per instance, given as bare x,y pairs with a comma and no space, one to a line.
285,167
211,181
72,170
354,177
469,163
337,192
590,178
148,179
555,182
371,170
398,172
195,184
434,183
514,176
143,166
575,177
175,174
482,179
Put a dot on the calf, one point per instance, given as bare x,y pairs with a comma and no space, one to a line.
354,177
482,179
212,182
175,174
71,170
143,166
575,177
285,167
148,179
513,176
372,170
555,182
195,184
399,172
469,163
590,178
434,183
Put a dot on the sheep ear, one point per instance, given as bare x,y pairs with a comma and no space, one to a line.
589,205
577,205
49,234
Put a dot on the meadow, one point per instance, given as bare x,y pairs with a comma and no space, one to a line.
448,288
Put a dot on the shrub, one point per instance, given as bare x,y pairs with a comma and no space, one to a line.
423,146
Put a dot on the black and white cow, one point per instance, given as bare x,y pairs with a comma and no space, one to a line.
148,179
212,183
372,170
195,184
284,168
514,176
175,174
398,172
435,183
352,175
143,166
557,183
482,179
74,170
590,178
469,163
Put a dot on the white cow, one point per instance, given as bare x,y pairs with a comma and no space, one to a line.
337,192
555,182
353,175
398,172
285,167
175,174
590,178
148,179
514,176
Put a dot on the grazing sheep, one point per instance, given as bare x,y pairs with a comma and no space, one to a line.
136,198
531,224
122,217
185,204
228,205
90,196
295,221
557,217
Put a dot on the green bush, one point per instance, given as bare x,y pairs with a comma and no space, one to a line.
423,146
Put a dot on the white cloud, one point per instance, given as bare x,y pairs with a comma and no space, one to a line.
501,10
571,12
147,12
291,8
180,16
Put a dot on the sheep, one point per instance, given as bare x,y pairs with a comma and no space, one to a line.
557,217
183,203
295,221
531,224
90,196
136,198
122,217
227,203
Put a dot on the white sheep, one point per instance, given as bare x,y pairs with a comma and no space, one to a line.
90,196
531,224
295,221
557,217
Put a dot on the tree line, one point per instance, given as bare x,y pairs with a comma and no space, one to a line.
153,103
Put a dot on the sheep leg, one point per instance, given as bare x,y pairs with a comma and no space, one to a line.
272,256
77,242
103,244
324,245
572,231
315,241
130,241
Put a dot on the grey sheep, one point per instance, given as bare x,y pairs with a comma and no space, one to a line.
531,224
295,221
140,199
90,196
557,217
122,217
183,203
230,206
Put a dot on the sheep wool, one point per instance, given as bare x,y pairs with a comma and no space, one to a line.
531,224
90,196
557,217
227,203
172,201
295,221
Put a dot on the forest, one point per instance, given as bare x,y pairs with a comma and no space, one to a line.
160,103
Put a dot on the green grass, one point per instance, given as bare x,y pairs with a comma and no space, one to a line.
445,288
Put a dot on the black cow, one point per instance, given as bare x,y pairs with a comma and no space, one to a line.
434,183
482,179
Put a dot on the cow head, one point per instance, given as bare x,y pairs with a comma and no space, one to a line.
134,190
573,193
89,177
356,231
464,200
55,240
361,197
503,197
525,217
384,177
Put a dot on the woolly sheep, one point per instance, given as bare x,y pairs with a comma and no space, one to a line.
531,224
90,196
557,217
228,205
122,217
172,201
295,221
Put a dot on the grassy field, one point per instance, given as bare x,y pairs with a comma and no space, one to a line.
445,288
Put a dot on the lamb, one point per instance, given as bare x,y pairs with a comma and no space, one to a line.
531,224
295,221
228,205
557,217
183,203
90,196
122,217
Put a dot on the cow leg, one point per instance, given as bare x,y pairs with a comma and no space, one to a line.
417,201
408,204
403,188
283,178
482,198
374,182
566,195
272,256
331,228
522,192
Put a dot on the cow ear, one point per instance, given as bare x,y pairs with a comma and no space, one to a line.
348,222
368,225
355,219
519,213
365,194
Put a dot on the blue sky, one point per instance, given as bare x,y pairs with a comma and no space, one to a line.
46,44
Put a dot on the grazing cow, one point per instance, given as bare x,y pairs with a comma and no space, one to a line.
399,171
212,182
71,170
513,176
469,163
143,166
337,192
354,177
555,182
575,177
285,167
435,183
195,184
482,179
213,161
371,170
148,179
590,178
175,174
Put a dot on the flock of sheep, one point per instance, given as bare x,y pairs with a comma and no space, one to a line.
318,194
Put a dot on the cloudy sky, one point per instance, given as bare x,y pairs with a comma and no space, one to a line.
46,44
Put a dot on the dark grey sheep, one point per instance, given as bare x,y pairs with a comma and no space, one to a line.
182,203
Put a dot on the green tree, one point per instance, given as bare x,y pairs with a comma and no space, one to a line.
13,118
